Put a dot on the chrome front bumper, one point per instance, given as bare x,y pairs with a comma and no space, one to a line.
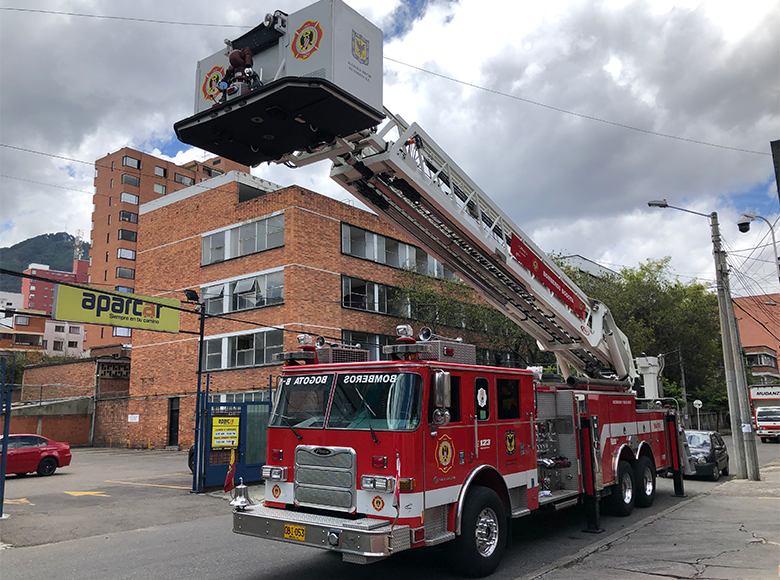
360,541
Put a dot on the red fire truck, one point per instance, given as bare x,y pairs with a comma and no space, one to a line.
369,458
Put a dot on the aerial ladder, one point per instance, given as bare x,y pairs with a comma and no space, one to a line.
281,94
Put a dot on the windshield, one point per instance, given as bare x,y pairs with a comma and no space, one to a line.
302,401
771,414
698,440
377,401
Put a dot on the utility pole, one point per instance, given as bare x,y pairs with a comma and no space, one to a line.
744,442
686,416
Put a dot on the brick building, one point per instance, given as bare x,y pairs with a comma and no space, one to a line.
277,262
124,180
39,295
759,331
22,332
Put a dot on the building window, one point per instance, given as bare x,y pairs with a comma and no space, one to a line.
160,189
59,328
57,345
129,198
124,289
373,343
22,321
109,219
369,296
125,273
160,171
121,331
133,180
73,344
125,254
183,179
128,216
361,243
111,183
128,235
32,287
32,297
109,201
74,330
243,350
45,344
243,240
252,292
131,162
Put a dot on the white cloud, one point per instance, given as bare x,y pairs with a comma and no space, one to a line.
701,70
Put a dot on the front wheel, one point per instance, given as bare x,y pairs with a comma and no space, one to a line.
47,466
644,476
715,475
621,501
480,546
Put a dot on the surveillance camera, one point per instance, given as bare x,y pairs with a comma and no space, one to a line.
744,224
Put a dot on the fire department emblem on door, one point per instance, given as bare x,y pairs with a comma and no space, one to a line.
510,442
444,453
307,40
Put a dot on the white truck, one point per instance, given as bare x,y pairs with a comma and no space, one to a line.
765,403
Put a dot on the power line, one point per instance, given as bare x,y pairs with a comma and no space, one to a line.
580,115
104,17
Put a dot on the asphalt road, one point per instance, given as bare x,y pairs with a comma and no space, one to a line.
123,514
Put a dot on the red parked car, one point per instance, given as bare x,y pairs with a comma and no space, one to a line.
28,453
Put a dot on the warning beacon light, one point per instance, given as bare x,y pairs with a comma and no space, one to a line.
294,83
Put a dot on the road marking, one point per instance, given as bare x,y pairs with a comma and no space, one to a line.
92,493
131,479
21,501
147,484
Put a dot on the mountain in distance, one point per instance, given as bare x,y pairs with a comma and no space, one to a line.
54,250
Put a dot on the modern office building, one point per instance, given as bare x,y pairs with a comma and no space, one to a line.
124,180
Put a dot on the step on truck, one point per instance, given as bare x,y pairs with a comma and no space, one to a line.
370,458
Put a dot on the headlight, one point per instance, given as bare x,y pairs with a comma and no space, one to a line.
377,483
269,472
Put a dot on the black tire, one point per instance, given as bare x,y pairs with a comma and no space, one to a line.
764,439
715,475
644,477
191,459
621,500
478,550
47,466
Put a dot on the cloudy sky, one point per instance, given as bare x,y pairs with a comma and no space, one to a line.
570,115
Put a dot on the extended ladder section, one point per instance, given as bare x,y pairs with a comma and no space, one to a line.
415,185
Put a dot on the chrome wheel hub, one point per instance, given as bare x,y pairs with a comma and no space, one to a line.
628,488
487,532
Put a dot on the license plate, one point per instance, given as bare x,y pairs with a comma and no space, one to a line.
294,532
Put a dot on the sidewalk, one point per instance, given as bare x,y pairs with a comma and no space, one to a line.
729,533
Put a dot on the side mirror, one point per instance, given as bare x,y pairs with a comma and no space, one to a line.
442,393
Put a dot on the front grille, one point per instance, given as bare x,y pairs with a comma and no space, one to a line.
325,477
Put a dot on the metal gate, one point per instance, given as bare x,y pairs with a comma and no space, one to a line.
235,428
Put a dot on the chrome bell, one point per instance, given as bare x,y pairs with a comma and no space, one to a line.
241,497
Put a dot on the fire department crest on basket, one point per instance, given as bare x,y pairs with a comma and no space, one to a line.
307,40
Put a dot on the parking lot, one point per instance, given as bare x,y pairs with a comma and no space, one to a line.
103,491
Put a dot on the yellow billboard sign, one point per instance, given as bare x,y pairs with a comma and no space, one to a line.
224,432
85,304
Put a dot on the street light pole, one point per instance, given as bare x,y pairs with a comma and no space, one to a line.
197,468
746,455
744,226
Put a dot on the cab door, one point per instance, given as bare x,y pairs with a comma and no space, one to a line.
448,449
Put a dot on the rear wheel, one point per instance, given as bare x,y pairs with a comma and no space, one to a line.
47,466
644,476
480,546
621,501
